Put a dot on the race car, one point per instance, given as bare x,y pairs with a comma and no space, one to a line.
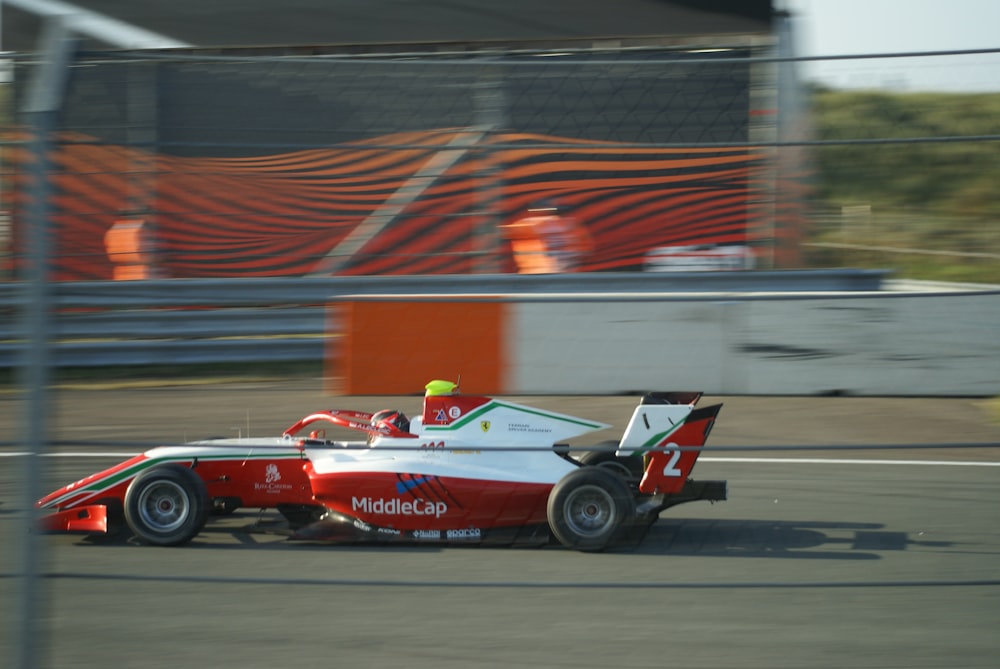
469,469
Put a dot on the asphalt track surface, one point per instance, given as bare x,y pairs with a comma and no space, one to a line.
834,558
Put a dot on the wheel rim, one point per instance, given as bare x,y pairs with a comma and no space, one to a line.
590,510
164,506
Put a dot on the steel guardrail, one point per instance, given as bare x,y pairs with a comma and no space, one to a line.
197,321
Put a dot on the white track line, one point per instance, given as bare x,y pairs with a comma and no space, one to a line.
751,461
835,461
89,454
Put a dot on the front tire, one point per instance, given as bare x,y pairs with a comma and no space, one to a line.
166,505
588,508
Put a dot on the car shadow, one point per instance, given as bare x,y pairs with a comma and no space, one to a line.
822,540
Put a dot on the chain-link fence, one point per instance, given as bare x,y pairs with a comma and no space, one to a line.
404,163
270,163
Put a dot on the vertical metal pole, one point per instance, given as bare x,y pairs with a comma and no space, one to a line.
40,111
792,124
140,116
6,79
763,230
489,109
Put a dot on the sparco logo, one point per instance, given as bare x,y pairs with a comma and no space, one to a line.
465,533
398,507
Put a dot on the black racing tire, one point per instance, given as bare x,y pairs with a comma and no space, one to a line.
629,467
607,447
588,508
166,505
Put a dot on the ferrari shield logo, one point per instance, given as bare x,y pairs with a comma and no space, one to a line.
485,425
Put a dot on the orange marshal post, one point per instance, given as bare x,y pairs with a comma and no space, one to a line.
129,243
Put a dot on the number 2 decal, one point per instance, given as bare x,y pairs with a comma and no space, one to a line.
670,469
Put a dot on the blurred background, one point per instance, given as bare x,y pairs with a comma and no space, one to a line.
913,83
683,135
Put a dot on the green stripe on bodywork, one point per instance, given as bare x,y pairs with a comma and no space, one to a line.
486,408
133,471
653,441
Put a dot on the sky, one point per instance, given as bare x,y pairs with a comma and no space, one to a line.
841,27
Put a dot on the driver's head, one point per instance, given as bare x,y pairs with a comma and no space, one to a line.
391,417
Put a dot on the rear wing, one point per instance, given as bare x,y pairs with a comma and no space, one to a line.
669,437
658,415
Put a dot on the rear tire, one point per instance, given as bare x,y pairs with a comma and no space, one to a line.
588,508
166,505
629,467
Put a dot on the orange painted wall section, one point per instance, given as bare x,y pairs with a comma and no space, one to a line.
394,347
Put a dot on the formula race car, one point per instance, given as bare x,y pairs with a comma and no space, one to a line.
469,469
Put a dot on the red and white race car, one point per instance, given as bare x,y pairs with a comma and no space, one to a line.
469,469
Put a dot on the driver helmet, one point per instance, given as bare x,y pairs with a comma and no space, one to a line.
391,418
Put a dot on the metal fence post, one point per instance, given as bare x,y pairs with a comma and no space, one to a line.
489,110
40,111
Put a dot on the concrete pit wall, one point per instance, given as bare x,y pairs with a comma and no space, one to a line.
878,343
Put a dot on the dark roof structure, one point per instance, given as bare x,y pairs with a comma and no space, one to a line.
343,22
